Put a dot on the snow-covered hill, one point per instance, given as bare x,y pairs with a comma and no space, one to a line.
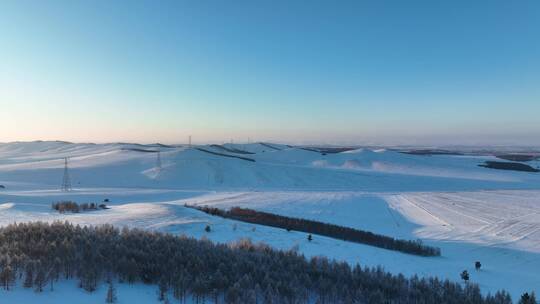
231,167
472,213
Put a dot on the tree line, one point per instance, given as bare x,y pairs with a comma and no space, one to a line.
39,254
415,247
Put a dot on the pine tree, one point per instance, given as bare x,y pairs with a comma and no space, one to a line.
111,294
477,265
162,290
41,278
465,276
533,298
54,272
233,293
502,297
7,277
527,298
29,275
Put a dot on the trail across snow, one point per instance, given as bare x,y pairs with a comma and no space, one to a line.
504,218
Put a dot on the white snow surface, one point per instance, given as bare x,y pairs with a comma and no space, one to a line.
472,213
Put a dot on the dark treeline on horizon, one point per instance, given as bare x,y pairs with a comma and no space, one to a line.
325,229
39,254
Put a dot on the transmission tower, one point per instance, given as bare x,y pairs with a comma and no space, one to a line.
158,162
66,181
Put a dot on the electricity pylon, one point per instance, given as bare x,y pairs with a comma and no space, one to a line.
158,162
66,181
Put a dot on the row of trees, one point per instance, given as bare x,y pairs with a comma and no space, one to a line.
70,206
330,230
39,254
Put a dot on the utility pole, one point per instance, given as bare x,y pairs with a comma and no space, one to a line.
66,181
158,162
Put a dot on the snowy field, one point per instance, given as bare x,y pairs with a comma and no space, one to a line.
491,218
471,213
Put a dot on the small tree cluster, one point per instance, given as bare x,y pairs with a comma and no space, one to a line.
70,206
66,206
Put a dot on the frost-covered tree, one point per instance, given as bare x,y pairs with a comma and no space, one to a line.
41,277
239,272
7,277
111,294
162,293
29,275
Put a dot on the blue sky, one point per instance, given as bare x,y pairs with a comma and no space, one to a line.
294,71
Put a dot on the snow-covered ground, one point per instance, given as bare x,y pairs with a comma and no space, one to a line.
472,213
67,292
491,218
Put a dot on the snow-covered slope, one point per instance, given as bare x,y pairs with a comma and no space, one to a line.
471,212
132,165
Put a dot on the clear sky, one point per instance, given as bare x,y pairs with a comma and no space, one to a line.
293,71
